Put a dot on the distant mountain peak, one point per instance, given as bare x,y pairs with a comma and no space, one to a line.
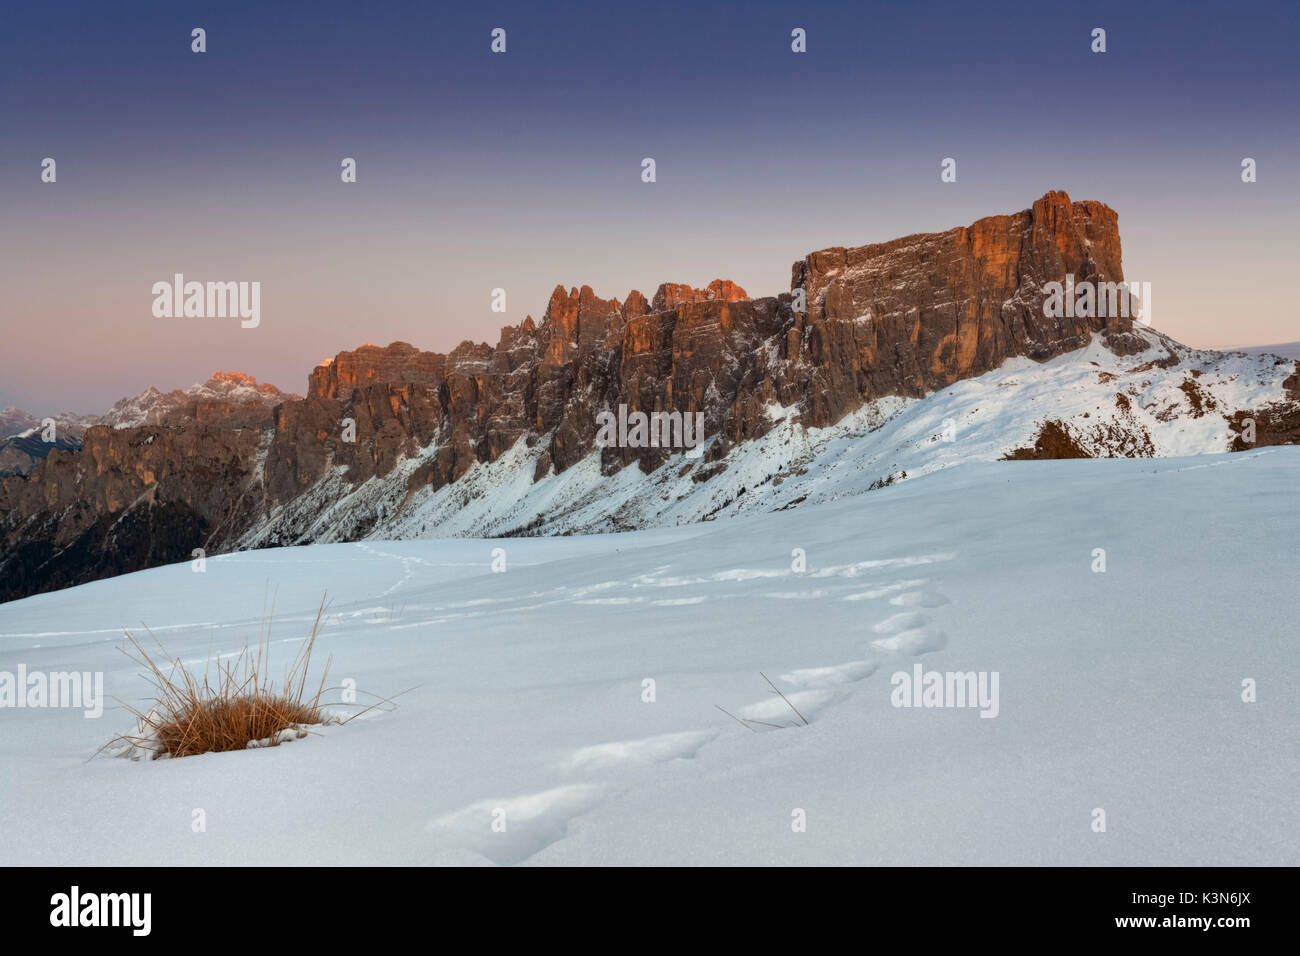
151,405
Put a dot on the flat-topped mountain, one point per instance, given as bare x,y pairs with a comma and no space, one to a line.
827,389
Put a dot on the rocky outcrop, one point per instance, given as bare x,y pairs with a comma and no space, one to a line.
21,454
670,295
898,318
916,314
1276,423
130,498
399,363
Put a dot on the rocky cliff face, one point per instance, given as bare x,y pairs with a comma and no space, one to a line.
899,318
902,318
21,454
130,498
916,314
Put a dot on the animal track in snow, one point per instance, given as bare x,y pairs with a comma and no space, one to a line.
918,599
407,572
590,588
830,676
904,621
477,602
748,574
920,640
532,822
775,710
647,750
883,590
852,570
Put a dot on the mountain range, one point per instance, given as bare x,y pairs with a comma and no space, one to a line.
882,362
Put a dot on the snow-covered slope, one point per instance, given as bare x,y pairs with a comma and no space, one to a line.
1118,691
1167,400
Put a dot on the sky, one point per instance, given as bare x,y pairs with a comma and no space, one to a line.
522,170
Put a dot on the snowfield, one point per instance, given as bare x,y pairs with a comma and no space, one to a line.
1118,691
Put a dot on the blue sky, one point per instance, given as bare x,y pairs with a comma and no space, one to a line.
522,170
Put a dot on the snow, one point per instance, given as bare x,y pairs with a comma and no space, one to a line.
524,689
151,404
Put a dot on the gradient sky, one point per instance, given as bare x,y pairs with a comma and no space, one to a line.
522,170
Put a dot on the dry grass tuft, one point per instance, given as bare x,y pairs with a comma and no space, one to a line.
231,706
